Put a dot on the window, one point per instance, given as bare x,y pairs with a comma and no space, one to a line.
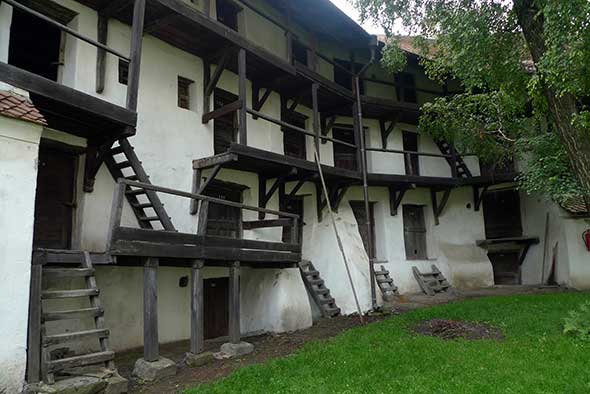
300,53
345,156
414,232
227,13
411,161
294,142
123,71
224,127
343,78
405,87
184,96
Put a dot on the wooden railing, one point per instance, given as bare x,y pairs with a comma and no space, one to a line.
284,219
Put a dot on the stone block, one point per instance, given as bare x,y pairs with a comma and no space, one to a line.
237,349
75,385
151,371
196,360
116,384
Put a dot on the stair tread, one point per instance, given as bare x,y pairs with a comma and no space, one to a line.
80,361
72,336
52,294
68,272
72,314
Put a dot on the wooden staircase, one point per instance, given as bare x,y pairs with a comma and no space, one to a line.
433,282
317,288
456,161
385,283
60,268
122,162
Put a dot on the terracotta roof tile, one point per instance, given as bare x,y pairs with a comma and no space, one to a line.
19,107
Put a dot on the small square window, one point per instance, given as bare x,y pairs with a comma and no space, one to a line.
184,96
123,72
300,53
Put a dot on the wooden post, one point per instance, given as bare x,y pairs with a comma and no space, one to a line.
234,303
151,351
316,116
207,8
135,54
197,308
101,54
34,333
116,212
243,131
206,81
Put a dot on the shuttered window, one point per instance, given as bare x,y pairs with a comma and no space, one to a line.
344,156
222,220
225,127
184,96
294,141
415,232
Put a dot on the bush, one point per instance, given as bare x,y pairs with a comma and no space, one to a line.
577,324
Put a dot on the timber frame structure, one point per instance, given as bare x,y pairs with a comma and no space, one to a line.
105,124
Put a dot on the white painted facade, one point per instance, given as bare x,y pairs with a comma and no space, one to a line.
169,138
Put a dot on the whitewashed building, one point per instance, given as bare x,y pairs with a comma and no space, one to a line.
117,116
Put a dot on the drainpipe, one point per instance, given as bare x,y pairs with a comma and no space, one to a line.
370,241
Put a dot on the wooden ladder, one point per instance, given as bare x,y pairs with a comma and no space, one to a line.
431,282
318,290
385,283
122,162
62,266
456,161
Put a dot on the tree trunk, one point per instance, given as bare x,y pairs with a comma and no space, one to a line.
561,108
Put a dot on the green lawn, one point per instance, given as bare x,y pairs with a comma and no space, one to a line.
386,358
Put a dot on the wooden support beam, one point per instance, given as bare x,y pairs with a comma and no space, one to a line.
234,303
386,130
209,179
327,124
116,213
206,81
478,194
316,116
101,54
95,155
264,196
197,308
258,101
217,75
338,195
242,115
319,200
294,103
114,7
135,54
296,188
219,112
151,348
256,224
34,329
439,206
158,23
203,218
395,199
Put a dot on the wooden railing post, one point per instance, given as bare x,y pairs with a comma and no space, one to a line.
242,114
151,348
234,303
135,54
116,212
34,330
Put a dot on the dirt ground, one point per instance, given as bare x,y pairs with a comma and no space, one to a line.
269,347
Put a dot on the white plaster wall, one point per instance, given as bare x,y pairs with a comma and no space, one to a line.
578,256
19,146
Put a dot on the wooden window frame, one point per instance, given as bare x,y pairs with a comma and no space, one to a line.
405,87
298,47
184,98
336,147
411,161
288,116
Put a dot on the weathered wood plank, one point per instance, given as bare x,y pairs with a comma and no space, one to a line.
234,303
80,361
151,348
50,340
34,329
101,54
73,314
197,308
219,112
135,54
54,294
252,225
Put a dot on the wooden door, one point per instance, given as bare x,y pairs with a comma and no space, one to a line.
222,220
501,210
216,299
345,156
358,208
414,232
293,205
225,127
54,200
293,141
411,161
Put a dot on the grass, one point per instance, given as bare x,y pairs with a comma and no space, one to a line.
535,357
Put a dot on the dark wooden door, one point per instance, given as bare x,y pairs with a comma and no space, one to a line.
411,161
358,208
345,156
225,127
222,220
216,311
501,211
54,201
414,232
294,141
293,205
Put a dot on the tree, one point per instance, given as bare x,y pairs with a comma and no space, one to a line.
525,69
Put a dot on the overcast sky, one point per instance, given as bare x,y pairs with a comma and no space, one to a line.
350,11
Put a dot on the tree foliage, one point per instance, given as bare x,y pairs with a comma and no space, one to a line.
516,88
